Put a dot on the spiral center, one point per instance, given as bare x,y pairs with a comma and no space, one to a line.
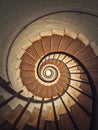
48,73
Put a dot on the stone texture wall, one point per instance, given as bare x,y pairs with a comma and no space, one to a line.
14,15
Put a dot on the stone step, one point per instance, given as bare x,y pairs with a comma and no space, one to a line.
4,111
55,41
65,43
86,102
38,47
86,52
82,119
30,50
34,117
11,118
46,43
66,123
6,125
75,46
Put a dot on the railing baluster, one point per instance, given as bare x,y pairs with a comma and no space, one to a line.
10,98
40,113
55,115
80,81
77,72
60,42
63,58
71,118
88,113
68,61
4,83
80,91
73,66
21,114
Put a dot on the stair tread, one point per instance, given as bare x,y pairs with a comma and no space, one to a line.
38,47
26,66
91,63
34,117
66,122
85,53
83,120
86,88
32,85
32,52
37,90
94,75
25,73
86,102
50,113
75,46
50,125
3,112
55,40
11,118
46,43
43,91
6,126
28,80
24,119
49,91
65,43
28,58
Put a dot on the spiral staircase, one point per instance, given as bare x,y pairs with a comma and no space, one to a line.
48,65
58,72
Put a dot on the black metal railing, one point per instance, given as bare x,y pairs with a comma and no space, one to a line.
59,96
